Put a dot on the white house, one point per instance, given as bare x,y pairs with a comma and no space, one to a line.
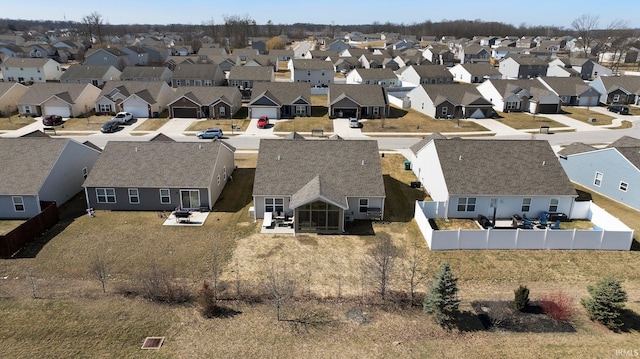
314,71
22,70
382,76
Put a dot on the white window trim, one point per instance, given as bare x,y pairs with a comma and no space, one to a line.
105,195
597,180
18,201
551,204
132,196
273,203
467,203
526,202
361,205
167,196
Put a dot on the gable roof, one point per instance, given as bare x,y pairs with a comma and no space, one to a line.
364,95
378,73
348,167
480,69
507,88
625,141
497,168
312,64
630,83
149,91
206,95
157,164
31,62
144,72
39,92
195,71
282,92
420,144
162,137
26,163
428,71
86,72
572,86
460,94
255,73
575,148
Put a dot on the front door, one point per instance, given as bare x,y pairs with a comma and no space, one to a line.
189,198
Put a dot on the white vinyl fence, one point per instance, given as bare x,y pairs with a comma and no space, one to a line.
609,233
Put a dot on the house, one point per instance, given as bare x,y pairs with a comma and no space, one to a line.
344,64
316,72
147,73
438,54
278,100
88,74
30,70
520,95
12,50
572,90
450,101
10,92
154,176
62,99
613,171
473,53
321,184
372,61
336,45
522,67
498,53
107,56
138,56
41,169
242,55
483,177
618,89
197,75
141,99
359,101
415,75
381,76
561,71
281,57
201,102
246,77
474,73
587,68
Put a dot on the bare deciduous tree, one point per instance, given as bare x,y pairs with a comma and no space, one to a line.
218,264
585,25
93,24
415,275
99,269
281,286
380,263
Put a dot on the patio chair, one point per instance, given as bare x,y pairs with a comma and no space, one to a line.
556,225
542,221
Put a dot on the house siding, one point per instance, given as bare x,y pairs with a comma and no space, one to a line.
581,169
149,199
508,206
7,211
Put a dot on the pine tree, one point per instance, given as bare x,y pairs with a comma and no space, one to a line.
442,301
606,302
521,298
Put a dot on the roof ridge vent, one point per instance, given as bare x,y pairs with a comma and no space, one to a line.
460,158
279,157
363,163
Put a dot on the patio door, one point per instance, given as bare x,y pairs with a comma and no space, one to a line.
189,198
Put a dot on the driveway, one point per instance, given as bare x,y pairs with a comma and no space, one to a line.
342,129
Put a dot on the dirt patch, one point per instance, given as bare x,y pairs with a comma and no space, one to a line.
502,316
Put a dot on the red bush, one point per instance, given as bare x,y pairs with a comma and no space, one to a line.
557,306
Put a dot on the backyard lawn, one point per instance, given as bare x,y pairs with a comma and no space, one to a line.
53,307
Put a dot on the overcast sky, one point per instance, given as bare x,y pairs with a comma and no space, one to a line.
338,12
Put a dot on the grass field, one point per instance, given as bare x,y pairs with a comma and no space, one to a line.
224,124
409,120
151,124
15,122
524,121
304,124
583,114
52,307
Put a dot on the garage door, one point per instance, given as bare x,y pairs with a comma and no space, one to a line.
60,111
548,108
270,112
137,112
185,112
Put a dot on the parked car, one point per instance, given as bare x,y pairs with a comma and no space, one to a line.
213,132
621,109
354,123
110,126
123,117
263,122
52,120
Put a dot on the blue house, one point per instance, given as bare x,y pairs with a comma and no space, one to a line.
613,171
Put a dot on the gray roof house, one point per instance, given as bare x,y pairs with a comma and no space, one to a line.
278,100
450,101
37,169
573,91
205,102
10,92
321,184
359,101
147,73
381,76
107,56
476,177
424,74
197,75
520,95
522,67
15,69
155,176
315,71
96,75
474,73
246,77
62,99
613,171
141,99
618,89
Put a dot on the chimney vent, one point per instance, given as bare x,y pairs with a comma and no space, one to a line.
363,162
460,158
279,157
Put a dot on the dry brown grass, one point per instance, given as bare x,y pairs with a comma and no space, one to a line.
8,225
78,321
304,124
151,124
91,123
583,114
224,124
523,121
409,120
15,122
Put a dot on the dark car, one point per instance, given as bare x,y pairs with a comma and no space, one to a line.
263,122
110,126
623,110
52,120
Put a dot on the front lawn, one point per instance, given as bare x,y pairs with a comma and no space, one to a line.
224,124
15,122
583,114
524,121
409,120
304,124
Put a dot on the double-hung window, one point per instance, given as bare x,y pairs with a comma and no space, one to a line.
165,196
274,204
18,203
526,204
597,181
134,196
106,195
466,204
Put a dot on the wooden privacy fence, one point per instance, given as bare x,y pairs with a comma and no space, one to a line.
11,242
